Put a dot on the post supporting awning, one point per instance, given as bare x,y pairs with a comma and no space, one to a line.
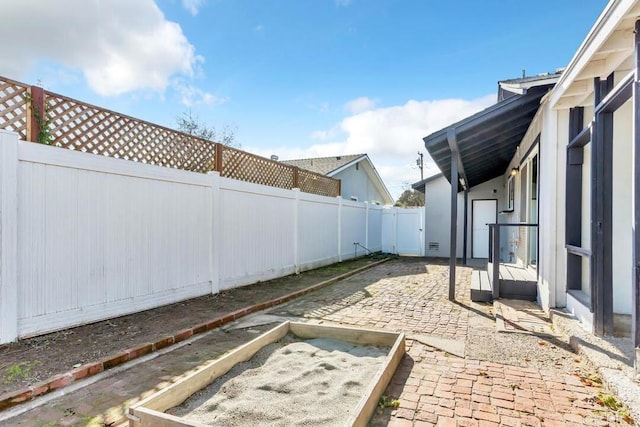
453,225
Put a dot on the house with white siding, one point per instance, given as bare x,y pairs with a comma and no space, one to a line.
546,185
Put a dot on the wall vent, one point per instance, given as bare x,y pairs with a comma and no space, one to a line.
434,246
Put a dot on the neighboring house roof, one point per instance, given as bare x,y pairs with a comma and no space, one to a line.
330,166
324,165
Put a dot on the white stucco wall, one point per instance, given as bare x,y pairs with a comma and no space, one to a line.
356,183
438,213
437,216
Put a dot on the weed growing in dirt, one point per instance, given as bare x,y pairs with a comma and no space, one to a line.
18,371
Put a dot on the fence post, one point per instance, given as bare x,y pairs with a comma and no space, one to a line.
339,228
35,108
394,217
296,229
366,225
216,248
8,236
218,158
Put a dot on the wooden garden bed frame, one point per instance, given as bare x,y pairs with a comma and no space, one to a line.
150,411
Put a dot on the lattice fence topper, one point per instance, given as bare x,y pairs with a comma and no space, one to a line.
248,167
13,106
311,182
79,126
84,127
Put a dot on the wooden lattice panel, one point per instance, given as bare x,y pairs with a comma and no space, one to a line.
84,127
13,107
311,182
248,167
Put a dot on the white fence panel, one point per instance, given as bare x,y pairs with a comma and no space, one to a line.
374,238
85,237
100,237
388,232
353,220
257,233
318,231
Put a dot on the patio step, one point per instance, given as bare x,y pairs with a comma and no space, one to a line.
518,283
481,286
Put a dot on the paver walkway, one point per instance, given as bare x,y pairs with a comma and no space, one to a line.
504,379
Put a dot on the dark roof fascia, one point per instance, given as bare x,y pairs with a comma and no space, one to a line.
421,184
487,114
498,124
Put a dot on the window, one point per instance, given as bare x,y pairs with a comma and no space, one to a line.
511,193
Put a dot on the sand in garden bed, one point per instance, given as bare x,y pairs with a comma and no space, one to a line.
292,382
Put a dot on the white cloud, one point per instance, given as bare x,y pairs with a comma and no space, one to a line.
191,96
343,3
192,6
119,46
359,105
325,135
258,28
391,136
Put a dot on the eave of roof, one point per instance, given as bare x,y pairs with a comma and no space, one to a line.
347,165
487,140
576,82
420,185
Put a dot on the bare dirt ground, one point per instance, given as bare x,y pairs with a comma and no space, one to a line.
29,361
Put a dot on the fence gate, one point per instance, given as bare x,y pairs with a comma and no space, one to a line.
402,231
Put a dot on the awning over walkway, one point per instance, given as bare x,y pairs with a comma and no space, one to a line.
487,141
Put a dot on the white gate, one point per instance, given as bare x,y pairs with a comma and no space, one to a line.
402,231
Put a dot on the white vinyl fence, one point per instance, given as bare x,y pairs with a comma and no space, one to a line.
85,237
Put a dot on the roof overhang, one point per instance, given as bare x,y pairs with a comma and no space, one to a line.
486,141
608,47
420,185
347,165
520,88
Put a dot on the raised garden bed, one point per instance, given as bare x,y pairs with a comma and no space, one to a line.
271,363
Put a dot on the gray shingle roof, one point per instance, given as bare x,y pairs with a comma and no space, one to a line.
323,165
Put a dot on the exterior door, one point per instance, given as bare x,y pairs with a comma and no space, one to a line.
409,231
483,212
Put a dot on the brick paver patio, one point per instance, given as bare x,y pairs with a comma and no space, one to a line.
408,295
432,386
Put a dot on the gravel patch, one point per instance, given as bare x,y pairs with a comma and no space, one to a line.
526,350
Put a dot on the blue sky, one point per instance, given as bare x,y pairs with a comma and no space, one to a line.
297,78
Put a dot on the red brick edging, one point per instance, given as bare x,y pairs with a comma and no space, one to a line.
56,382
